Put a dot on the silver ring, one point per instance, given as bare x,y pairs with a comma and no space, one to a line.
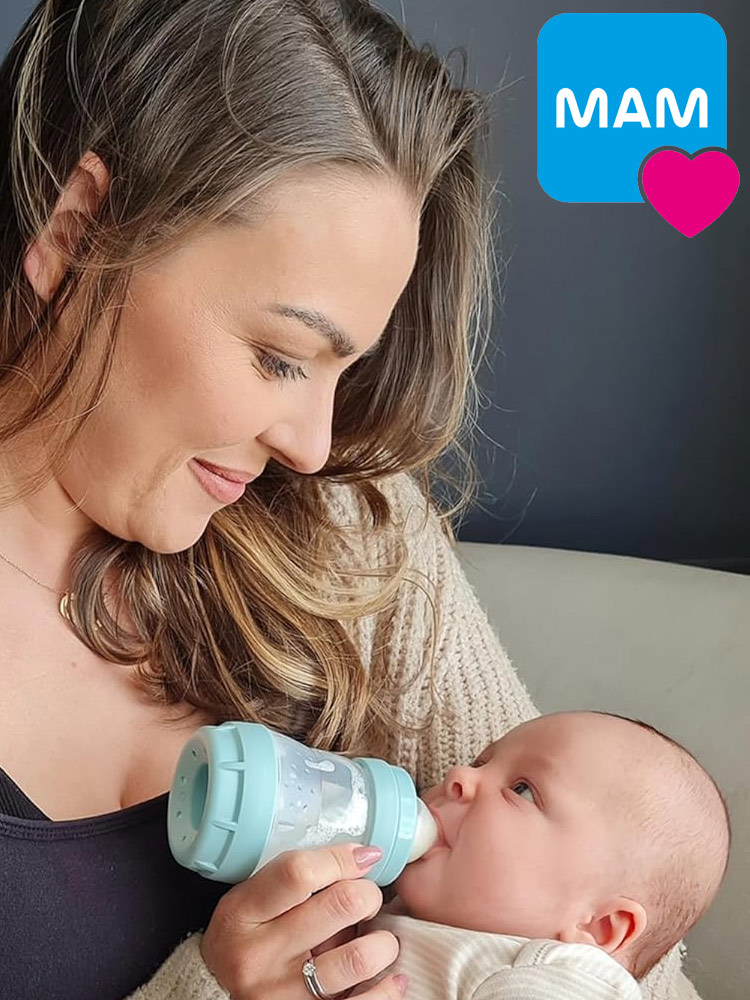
312,982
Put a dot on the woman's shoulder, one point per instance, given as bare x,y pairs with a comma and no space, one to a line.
405,497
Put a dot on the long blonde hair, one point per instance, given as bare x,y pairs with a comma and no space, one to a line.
196,108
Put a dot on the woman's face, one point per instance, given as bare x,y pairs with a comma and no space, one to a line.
192,378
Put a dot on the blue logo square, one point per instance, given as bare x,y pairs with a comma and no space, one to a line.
612,88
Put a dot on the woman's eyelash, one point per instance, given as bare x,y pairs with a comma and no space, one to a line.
279,368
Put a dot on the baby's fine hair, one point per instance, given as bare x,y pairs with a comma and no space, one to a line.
691,862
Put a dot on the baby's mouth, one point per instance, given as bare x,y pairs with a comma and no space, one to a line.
442,840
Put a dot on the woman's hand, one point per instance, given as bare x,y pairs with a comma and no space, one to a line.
342,937
265,928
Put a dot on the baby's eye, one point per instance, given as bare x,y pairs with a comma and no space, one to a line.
524,789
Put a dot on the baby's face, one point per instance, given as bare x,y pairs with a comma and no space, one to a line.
531,830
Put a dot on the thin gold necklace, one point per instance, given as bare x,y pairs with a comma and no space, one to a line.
65,601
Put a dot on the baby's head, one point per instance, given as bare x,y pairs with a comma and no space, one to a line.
580,827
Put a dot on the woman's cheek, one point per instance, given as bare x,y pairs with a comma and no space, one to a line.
233,414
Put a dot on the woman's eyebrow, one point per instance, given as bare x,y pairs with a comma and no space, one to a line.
341,343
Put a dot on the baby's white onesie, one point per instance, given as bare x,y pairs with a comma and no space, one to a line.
451,963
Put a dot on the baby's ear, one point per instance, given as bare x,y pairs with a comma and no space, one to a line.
614,927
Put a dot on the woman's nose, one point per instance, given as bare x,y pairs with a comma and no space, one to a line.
302,438
460,783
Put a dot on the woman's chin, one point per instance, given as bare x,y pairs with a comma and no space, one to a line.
174,537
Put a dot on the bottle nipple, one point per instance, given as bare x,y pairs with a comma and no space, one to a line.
427,834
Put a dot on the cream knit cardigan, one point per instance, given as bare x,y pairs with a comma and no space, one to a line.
475,681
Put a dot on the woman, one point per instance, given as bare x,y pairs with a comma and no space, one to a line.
247,234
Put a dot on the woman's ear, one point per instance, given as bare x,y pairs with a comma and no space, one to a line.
615,926
43,263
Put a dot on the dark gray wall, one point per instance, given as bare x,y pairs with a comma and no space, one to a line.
619,418
617,409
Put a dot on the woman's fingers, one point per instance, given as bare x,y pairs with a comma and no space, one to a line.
330,910
348,934
357,961
387,988
292,878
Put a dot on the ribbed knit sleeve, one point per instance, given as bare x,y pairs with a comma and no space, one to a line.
183,976
478,695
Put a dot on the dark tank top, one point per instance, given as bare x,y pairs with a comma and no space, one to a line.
90,908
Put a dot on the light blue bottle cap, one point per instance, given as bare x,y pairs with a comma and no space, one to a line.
211,798
392,817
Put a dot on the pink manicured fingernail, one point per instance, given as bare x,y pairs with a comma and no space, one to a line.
366,856
401,981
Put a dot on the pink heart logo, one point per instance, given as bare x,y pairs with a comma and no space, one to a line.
690,192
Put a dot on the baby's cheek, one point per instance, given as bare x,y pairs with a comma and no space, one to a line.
484,863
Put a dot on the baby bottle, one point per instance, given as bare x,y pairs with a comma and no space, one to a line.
243,793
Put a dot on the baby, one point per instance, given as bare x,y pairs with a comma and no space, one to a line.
574,853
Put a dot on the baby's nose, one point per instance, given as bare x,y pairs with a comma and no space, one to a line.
460,782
